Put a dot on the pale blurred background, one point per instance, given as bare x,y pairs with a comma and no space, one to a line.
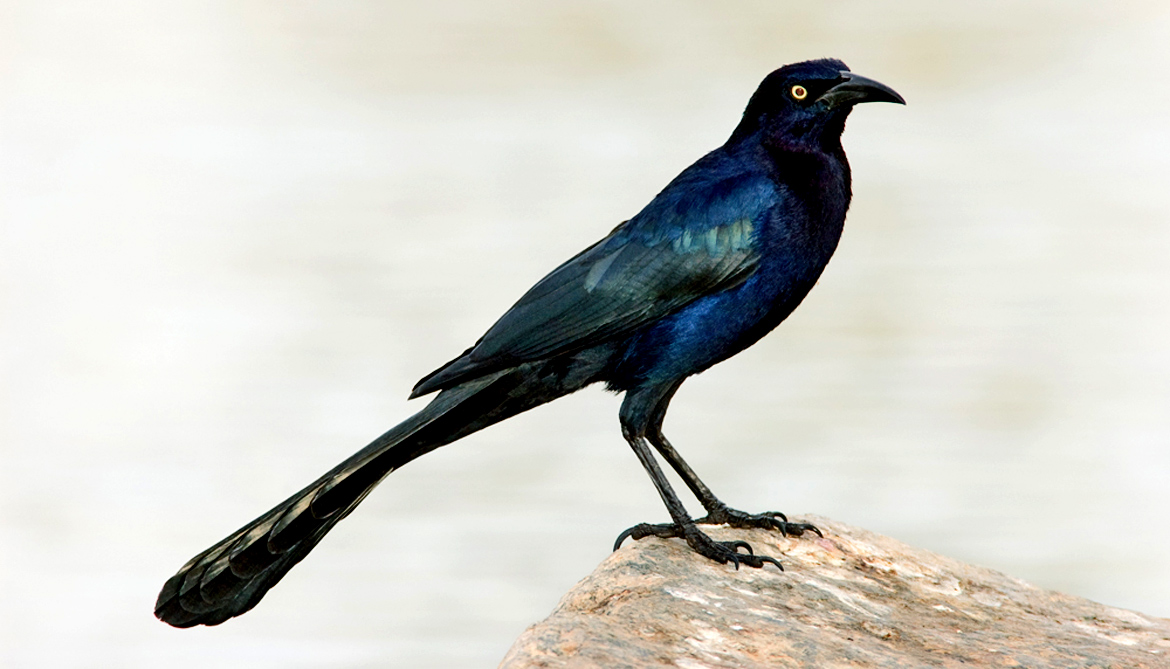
234,234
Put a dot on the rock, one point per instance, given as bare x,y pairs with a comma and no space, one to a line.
853,599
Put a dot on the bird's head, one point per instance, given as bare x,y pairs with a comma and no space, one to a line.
807,103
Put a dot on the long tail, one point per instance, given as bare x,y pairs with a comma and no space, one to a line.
232,576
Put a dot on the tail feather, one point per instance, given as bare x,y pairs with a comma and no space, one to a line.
232,576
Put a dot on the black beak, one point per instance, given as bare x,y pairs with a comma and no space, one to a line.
854,89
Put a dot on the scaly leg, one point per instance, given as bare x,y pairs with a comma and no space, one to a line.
637,413
719,513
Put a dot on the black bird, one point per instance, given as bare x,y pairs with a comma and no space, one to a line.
716,260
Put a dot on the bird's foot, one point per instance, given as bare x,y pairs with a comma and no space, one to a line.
719,551
769,520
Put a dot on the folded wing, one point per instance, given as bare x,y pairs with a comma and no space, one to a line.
671,254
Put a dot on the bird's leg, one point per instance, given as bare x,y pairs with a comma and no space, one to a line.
683,527
719,513
637,413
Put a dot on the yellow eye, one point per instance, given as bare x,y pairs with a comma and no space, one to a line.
799,92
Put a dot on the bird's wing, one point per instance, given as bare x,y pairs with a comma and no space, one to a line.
676,250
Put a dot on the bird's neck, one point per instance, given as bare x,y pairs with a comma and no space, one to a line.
816,173
818,176
797,154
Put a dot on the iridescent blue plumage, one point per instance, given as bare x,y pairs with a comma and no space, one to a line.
716,260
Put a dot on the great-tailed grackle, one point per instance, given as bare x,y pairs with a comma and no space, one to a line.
716,260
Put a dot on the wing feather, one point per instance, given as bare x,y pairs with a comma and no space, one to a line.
674,252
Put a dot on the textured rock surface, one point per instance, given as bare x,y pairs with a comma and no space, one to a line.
853,599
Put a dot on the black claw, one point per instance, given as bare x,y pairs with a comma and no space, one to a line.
722,551
643,530
774,561
622,537
800,528
770,520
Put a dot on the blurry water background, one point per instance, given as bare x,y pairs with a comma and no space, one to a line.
235,233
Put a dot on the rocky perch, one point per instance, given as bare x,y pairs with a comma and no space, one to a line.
853,599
